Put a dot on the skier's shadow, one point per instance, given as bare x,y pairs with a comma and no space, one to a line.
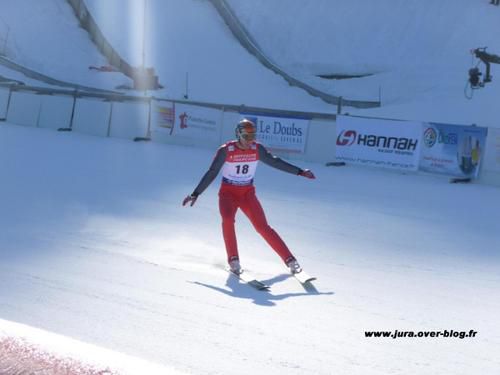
240,289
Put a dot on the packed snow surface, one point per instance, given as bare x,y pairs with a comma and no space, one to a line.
96,245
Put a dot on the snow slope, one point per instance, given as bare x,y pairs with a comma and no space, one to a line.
45,36
187,40
100,249
418,53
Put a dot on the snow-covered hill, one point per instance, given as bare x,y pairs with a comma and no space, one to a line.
100,249
417,54
45,36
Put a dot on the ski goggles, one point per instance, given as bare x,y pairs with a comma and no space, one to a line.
248,136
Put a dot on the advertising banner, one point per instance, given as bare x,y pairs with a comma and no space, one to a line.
162,117
454,150
377,142
185,120
280,133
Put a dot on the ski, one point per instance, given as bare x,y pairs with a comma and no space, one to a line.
246,277
303,277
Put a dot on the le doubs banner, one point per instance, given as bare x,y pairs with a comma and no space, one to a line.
377,142
280,133
453,150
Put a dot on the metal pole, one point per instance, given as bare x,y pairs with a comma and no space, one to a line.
110,119
8,103
148,132
73,110
39,114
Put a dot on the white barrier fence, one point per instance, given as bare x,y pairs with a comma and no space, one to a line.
4,99
303,136
490,173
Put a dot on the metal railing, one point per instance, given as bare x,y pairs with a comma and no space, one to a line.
118,97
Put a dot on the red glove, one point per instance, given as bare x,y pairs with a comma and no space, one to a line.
190,198
307,173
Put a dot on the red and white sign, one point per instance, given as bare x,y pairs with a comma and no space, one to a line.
185,120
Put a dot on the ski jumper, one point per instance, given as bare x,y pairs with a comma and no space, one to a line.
237,191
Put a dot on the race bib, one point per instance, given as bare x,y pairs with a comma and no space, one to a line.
240,166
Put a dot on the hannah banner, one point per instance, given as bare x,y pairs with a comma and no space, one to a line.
378,142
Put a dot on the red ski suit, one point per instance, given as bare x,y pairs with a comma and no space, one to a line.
233,197
237,191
